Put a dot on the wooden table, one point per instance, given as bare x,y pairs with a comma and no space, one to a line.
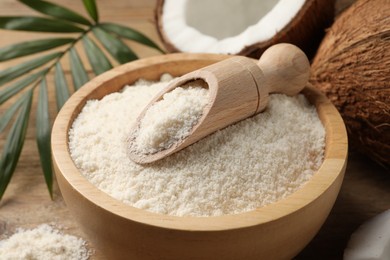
26,203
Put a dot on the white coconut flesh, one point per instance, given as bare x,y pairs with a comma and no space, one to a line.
225,26
371,241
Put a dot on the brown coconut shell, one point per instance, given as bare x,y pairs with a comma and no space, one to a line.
352,66
305,30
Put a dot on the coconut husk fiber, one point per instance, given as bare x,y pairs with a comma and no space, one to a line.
352,66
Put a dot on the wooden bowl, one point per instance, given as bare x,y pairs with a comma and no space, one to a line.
276,231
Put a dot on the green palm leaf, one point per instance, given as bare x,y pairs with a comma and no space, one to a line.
96,57
56,11
31,47
90,5
79,74
43,135
9,113
14,119
130,34
62,91
37,24
18,70
120,51
14,143
8,92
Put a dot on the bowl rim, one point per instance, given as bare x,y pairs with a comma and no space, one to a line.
332,167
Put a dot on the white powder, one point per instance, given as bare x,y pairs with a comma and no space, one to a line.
43,243
245,166
170,119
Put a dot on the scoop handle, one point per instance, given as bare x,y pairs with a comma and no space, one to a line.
286,69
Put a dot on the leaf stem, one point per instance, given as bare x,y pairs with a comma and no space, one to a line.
71,45
56,60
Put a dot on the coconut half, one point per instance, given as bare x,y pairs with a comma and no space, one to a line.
243,27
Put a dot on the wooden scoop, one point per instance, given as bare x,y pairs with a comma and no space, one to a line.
238,88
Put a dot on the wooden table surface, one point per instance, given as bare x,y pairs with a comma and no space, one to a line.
26,203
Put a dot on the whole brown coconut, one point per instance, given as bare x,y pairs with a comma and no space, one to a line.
305,30
352,66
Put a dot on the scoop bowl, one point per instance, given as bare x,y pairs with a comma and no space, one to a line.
277,231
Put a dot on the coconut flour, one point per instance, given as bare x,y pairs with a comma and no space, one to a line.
245,166
170,119
41,243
